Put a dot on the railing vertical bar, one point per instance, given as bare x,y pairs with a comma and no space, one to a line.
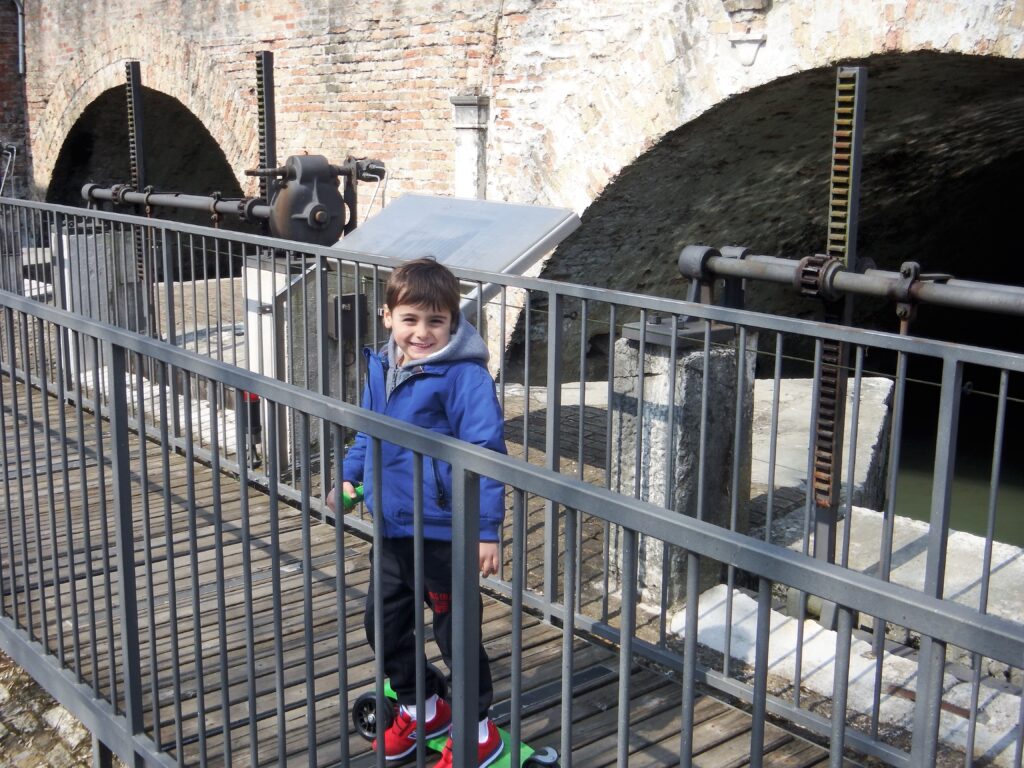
1018,752
552,443
669,469
120,460
466,641
581,433
502,335
808,503
627,629
306,482
518,587
108,585
147,550
932,658
569,629
65,479
8,584
641,367
193,540
241,439
171,331
734,485
341,590
86,489
19,463
324,367
773,441
170,561
851,466
218,558
986,561
840,685
705,388
419,593
527,359
888,530
375,596
606,531
31,418
762,636
273,502
686,741
221,331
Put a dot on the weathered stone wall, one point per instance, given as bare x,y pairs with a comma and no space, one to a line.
578,88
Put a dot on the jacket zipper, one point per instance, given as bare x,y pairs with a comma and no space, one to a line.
442,497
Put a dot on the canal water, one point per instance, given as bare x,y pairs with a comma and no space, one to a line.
972,496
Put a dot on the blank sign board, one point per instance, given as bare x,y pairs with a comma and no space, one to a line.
459,232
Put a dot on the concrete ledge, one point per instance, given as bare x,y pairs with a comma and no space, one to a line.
794,429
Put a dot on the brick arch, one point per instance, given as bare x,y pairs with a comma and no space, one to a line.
169,65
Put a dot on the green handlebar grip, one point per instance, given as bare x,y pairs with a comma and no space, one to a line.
350,501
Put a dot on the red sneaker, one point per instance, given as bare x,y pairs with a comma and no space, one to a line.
487,751
400,738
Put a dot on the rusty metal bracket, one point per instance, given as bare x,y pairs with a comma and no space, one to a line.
905,294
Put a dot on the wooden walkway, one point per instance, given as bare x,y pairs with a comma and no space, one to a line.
217,641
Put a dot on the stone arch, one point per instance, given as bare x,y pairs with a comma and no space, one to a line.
944,142
591,118
169,64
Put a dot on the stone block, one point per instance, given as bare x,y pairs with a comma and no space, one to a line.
667,438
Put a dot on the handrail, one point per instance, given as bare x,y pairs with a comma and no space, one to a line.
989,635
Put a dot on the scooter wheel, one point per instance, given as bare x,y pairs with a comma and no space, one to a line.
543,757
364,716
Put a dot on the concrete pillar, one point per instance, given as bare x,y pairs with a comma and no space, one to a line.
471,115
674,484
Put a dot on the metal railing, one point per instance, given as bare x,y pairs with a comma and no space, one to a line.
910,649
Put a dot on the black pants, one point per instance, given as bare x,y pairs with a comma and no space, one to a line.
398,596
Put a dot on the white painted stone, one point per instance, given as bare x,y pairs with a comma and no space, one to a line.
67,727
999,708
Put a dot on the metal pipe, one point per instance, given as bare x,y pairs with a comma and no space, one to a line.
946,292
21,35
248,208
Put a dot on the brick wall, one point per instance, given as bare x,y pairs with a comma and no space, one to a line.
12,98
579,88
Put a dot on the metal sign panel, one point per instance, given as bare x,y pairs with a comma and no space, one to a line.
461,232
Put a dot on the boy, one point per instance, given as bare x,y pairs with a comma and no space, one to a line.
433,374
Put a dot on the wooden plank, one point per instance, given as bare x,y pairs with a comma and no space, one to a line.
61,568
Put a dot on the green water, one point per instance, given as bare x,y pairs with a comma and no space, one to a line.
971,497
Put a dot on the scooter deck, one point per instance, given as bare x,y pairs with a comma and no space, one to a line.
504,760
527,754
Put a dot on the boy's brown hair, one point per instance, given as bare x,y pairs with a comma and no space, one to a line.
424,283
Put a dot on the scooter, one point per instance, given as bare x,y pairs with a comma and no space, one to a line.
366,722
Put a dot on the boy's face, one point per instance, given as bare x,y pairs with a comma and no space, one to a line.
418,331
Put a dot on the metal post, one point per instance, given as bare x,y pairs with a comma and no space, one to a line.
932,657
466,603
120,460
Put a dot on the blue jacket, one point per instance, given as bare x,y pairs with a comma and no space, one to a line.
450,392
